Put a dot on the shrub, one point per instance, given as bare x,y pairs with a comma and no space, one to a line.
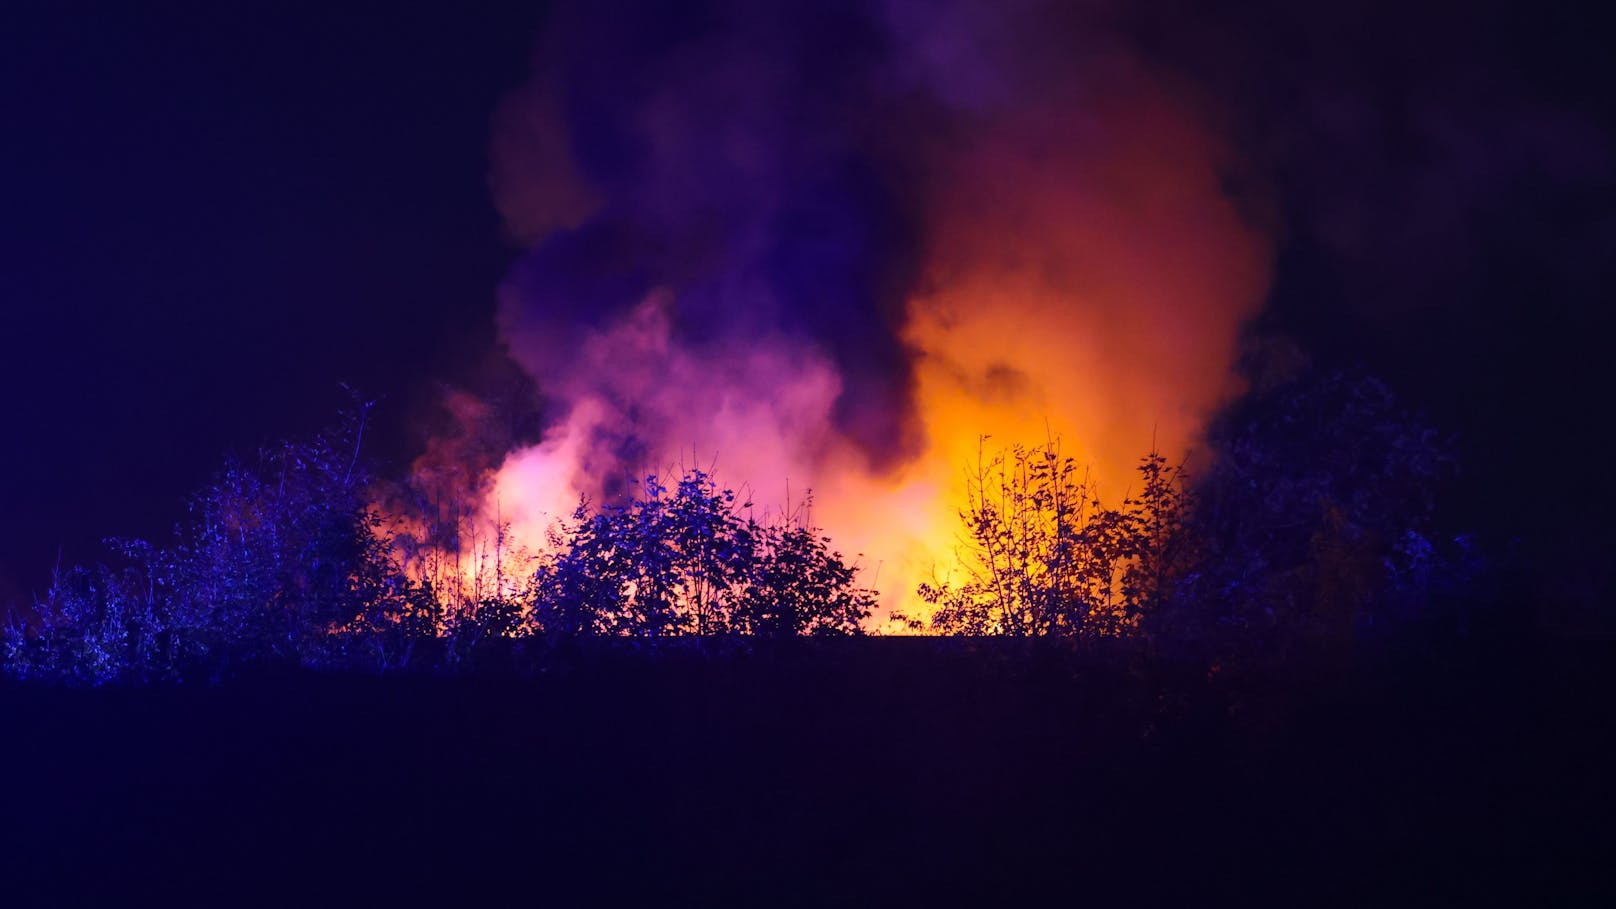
1044,556
685,561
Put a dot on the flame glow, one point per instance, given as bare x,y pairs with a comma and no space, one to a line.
997,221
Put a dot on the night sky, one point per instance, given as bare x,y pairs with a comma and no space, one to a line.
212,215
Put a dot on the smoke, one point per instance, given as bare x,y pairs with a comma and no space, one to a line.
832,244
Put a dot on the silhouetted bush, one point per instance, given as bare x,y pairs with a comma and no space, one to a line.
685,561
1310,527
284,560
1312,524
1043,555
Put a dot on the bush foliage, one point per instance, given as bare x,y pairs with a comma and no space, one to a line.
285,560
1310,527
1044,556
685,561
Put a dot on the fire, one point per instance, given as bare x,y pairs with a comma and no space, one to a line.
990,238
1095,296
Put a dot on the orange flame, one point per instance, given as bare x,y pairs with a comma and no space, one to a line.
1085,275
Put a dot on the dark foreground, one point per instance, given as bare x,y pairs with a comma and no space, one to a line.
863,773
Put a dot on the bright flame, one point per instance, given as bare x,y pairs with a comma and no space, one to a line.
1095,296
1080,271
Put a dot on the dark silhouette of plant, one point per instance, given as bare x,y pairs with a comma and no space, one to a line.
96,624
684,561
1310,526
285,550
1042,554
1312,523
798,585
282,559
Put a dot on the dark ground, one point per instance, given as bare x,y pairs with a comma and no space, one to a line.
880,772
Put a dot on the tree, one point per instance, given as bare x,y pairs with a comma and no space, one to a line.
1312,522
286,559
798,585
684,561
1042,555
282,559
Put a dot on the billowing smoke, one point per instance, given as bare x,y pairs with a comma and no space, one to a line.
832,244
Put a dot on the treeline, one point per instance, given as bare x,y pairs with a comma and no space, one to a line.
1311,527
286,560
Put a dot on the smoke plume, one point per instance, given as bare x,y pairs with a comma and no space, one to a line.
831,244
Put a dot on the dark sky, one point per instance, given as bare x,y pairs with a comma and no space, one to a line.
211,214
